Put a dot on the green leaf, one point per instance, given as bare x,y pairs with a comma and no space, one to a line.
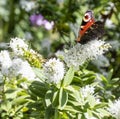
48,98
103,78
20,100
114,19
75,103
101,105
89,112
49,112
74,95
72,108
79,116
115,80
69,76
39,73
57,115
91,101
38,88
6,105
77,79
11,93
103,112
63,98
55,99
110,75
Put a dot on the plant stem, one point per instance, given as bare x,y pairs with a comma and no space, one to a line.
11,17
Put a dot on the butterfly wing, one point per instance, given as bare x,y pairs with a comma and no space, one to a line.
89,29
95,31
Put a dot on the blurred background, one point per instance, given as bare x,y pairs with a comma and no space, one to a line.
51,25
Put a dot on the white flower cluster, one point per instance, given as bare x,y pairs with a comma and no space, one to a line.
54,70
5,62
114,109
87,91
14,67
79,54
18,46
23,68
27,5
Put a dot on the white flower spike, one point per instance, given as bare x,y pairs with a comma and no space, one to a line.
114,109
5,62
79,54
54,70
18,46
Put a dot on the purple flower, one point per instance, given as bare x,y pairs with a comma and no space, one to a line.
38,20
48,25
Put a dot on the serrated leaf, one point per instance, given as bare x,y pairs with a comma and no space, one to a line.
68,78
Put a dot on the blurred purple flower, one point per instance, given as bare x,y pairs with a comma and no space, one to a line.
38,20
48,25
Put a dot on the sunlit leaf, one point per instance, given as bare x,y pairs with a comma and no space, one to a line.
68,77
55,99
63,98
48,98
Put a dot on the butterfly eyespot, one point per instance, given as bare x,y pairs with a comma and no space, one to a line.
87,17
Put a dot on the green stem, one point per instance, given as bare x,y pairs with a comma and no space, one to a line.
3,89
57,114
11,23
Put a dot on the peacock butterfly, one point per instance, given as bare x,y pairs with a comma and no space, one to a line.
90,29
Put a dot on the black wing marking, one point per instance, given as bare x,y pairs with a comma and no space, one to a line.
95,31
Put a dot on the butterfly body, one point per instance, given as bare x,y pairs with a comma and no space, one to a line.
89,29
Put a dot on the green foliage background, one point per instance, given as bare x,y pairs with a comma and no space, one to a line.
67,16
14,21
